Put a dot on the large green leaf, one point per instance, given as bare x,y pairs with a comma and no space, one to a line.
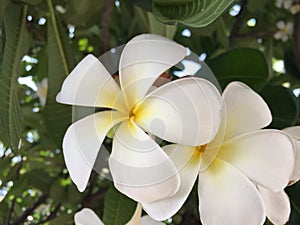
57,116
157,27
194,13
118,208
246,65
15,46
283,105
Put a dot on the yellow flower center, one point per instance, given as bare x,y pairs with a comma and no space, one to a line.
199,150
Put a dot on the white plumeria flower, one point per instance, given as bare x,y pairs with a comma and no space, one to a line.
295,9
42,90
291,5
185,111
277,203
240,156
285,30
88,217
284,3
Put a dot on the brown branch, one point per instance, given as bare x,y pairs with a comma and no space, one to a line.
32,28
88,200
238,19
29,211
189,219
105,22
11,210
296,37
7,222
52,215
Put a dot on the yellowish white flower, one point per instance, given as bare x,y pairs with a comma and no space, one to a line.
284,30
88,217
290,5
228,168
185,111
42,90
277,203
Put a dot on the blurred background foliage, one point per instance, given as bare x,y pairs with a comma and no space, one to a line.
42,40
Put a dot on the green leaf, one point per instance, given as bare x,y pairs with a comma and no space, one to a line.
194,13
283,104
157,27
145,4
15,46
83,12
118,208
57,116
246,65
256,5
32,2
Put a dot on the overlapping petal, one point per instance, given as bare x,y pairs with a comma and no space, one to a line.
294,132
143,60
265,156
87,217
90,84
245,110
227,197
82,142
277,205
187,162
186,111
139,167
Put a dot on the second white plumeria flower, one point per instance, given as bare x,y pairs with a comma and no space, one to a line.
277,203
284,31
88,217
185,111
240,154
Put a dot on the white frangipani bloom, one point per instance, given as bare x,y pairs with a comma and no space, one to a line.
290,5
285,30
240,156
277,203
42,90
185,111
88,217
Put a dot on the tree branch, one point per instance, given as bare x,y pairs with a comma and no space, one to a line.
237,22
105,22
52,215
29,211
296,43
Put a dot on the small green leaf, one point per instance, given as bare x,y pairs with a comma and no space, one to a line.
283,104
246,65
15,46
118,208
194,13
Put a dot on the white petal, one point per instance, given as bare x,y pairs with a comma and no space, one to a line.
186,111
278,35
277,206
87,217
294,132
147,220
139,167
280,25
136,218
265,156
187,161
245,110
227,197
89,84
82,142
143,60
